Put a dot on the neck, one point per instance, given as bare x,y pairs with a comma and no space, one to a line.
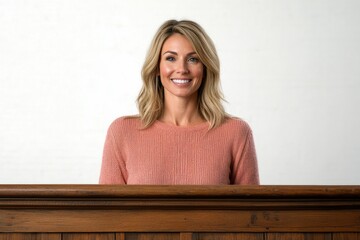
181,112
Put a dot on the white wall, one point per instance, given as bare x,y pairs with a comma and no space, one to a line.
290,68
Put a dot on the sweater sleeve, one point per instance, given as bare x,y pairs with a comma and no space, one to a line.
245,168
113,170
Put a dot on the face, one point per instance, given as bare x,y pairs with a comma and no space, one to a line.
181,71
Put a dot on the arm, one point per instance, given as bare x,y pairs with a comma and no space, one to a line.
113,169
245,168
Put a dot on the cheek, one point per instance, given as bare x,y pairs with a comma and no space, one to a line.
165,70
199,72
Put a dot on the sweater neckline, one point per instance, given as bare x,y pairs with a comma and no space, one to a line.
200,126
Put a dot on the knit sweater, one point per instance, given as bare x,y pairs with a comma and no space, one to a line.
166,155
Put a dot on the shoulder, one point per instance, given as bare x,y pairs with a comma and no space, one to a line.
238,130
125,123
236,124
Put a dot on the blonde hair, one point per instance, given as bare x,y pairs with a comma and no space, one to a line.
151,97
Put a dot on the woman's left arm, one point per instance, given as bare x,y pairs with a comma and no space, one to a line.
245,166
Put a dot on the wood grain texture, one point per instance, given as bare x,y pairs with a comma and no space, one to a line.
88,236
179,221
120,236
197,191
30,236
228,236
186,236
298,236
175,197
152,236
179,209
346,236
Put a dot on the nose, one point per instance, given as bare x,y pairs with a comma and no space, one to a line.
182,67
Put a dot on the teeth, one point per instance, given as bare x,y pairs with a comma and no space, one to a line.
181,81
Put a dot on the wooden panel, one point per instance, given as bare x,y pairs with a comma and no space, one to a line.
88,236
298,236
228,236
30,236
152,236
179,221
204,210
120,236
186,236
346,236
159,191
108,197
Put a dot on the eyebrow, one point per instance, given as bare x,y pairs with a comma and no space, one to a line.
175,53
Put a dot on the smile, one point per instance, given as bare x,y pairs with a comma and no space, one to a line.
181,81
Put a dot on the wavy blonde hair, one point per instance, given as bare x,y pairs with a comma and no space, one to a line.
151,97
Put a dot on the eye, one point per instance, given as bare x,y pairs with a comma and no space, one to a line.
170,58
193,60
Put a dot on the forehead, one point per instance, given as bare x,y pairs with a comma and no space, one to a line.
177,43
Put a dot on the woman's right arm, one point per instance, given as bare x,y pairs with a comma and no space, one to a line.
113,169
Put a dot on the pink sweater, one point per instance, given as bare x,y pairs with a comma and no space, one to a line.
165,154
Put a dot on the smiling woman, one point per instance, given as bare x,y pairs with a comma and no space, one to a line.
151,99
182,134
180,65
181,74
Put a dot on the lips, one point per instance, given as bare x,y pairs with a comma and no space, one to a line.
180,81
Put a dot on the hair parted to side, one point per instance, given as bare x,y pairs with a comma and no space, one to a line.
151,97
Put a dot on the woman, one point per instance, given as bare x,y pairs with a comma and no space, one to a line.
182,134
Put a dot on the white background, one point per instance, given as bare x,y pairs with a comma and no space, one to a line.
290,68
